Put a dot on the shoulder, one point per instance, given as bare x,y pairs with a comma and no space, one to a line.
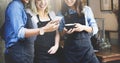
15,4
86,8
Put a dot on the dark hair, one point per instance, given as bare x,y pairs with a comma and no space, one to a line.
78,8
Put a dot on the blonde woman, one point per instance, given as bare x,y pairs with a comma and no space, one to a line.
46,44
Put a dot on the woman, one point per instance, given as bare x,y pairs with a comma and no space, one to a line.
46,44
16,33
79,24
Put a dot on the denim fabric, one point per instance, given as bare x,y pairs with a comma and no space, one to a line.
21,52
77,47
15,20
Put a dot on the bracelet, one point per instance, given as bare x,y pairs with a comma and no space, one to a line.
41,31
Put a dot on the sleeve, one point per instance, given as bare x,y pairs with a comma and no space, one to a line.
62,24
91,21
21,33
17,21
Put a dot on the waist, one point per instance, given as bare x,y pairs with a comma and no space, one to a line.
10,42
20,45
77,35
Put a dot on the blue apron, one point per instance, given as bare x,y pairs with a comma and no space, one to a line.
42,44
77,47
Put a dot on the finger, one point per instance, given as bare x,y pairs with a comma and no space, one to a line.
50,22
65,29
72,30
55,27
52,52
69,31
76,25
49,50
55,21
77,29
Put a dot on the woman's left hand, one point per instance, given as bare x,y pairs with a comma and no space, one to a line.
53,49
79,27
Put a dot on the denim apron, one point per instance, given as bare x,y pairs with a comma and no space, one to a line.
42,44
77,47
23,50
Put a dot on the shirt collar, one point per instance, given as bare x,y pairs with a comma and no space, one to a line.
71,11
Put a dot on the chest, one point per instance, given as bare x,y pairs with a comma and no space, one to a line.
75,18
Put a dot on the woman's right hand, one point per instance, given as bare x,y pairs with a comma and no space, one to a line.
70,31
51,26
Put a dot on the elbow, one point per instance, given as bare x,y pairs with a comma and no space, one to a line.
95,30
21,33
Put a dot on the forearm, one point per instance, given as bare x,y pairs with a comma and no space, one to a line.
88,29
31,32
57,38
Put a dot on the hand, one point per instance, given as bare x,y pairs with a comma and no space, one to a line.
70,31
55,21
51,26
53,49
79,27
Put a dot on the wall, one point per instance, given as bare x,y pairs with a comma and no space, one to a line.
3,4
109,17
55,5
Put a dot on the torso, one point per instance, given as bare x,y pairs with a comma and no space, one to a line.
43,43
74,18
46,40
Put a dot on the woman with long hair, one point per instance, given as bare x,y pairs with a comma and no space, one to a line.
46,44
79,24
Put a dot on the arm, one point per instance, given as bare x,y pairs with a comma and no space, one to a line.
54,48
80,28
91,20
91,26
51,26
57,39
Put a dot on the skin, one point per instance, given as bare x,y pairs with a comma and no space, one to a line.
25,1
41,6
78,27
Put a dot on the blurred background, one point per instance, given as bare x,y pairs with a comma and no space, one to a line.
102,9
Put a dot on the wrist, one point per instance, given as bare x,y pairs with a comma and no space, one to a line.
56,45
41,32
84,27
